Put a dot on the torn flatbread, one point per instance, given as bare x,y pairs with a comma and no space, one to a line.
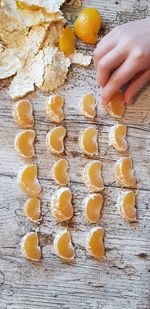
81,59
28,18
9,63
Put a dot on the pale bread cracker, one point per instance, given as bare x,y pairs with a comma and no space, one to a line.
9,63
81,59
28,18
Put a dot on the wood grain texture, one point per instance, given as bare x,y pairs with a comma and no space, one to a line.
123,280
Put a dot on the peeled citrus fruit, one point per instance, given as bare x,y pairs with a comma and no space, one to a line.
116,107
126,206
88,141
30,248
32,209
124,173
54,107
60,172
24,143
63,246
92,207
22,113
27,180
54,140
92,176
117,137
88,106
61,204
94,243
67,41
87,25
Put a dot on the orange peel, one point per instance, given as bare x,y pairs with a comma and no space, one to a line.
62,208
24,143
88,105
88,141
117,135
95,244
124,172
55,140
60,174
67,41
54,108
92,176
28,181
116,107
32,209
23,114
92,207
87,25
63,246
126,206
30,248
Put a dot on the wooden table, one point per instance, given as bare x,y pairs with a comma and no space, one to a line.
123,280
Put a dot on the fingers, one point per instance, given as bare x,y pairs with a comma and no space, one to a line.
102,49
136,85
120,77
108,63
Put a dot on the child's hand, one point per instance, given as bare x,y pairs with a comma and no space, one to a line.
123,56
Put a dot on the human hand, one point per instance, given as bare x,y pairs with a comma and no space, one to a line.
122,57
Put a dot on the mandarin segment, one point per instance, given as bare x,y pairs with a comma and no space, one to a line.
88,141
92,176
32,209
60,174
124,172
23,114
55,140
87,25
54,108
24,143
88,105
116,107
95,244
27,180
63,246
67,41
117,135
126,205
30,247
92,207
62,208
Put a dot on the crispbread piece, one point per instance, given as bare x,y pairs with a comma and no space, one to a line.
9,63
81,59
28,18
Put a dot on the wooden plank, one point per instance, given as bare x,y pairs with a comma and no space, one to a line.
122,281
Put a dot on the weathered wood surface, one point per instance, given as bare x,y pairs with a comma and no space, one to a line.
123,281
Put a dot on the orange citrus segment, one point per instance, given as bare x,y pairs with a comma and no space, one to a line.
32,209
54,107
24,143
87,25
88,141
63,246
117,137
27,180
124,173
60,172
22,113
54,140
30,248
24,6
67,41
126,206
88,106
94,243
92,176
61,204
92,207
116,107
